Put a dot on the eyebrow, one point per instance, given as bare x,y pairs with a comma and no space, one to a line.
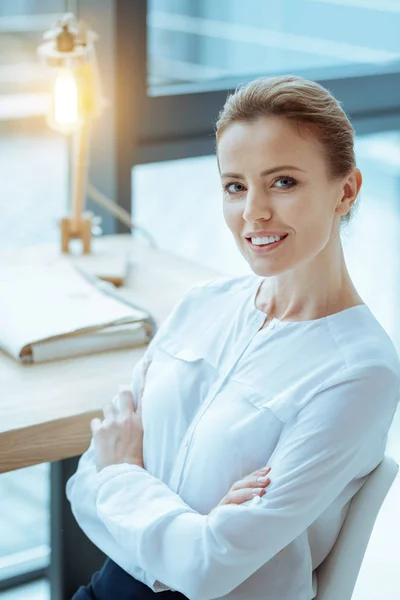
266,172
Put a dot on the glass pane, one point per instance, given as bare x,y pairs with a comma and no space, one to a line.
23,79
34,176
39,590
192,41
371,242
24,520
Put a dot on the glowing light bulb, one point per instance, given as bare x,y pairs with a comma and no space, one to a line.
65,99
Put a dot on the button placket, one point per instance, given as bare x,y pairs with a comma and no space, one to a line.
178,471
176,478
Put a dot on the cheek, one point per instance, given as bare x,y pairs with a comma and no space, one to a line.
232,215
313,229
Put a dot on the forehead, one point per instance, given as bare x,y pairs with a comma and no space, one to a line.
267,142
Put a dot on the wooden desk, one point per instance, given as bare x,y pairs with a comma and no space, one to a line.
46,408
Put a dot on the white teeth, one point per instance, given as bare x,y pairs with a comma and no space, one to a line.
265,240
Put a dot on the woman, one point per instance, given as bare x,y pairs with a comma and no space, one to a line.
286,367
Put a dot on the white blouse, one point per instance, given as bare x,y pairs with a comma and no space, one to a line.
314,400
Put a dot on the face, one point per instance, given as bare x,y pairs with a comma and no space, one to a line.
276,179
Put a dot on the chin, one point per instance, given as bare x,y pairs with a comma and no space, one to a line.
267,270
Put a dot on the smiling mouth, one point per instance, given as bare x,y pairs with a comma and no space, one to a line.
258,248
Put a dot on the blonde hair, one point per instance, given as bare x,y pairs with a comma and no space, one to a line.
302,102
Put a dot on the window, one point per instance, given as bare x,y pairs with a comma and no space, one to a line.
203,41
33,172
168,66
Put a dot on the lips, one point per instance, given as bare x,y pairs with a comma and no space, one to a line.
281,236
265,248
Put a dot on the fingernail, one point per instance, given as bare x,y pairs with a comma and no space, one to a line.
257,491
262,479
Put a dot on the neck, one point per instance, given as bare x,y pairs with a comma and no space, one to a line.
311,290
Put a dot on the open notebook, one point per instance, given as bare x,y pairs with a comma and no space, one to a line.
48,312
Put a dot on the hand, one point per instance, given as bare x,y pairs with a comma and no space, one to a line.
119,437
247,488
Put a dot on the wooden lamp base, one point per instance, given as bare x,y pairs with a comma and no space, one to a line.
71,230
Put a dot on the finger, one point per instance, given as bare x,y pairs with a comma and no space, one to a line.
255,481
256,473
242,495
95,425
109,411
126,407
262,470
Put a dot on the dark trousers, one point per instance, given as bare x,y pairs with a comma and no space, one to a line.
113,583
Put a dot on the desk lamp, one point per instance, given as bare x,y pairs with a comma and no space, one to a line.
75,100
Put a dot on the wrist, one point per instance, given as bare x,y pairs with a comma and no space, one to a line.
123,461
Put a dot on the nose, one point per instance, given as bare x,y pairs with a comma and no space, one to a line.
257,206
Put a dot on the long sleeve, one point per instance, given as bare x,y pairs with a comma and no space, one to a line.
80,491
319,453
81,487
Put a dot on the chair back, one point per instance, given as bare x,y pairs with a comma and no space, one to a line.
337,574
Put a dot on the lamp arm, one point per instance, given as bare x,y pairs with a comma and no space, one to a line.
117,211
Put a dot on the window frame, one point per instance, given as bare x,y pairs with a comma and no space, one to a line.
142,128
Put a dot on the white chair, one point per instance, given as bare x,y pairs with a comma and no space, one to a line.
337,574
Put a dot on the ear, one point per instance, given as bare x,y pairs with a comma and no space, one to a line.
349,191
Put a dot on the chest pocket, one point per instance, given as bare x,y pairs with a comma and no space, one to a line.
175,350
281,404
179,375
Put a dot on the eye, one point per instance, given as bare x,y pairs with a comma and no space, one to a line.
227,187
285,178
